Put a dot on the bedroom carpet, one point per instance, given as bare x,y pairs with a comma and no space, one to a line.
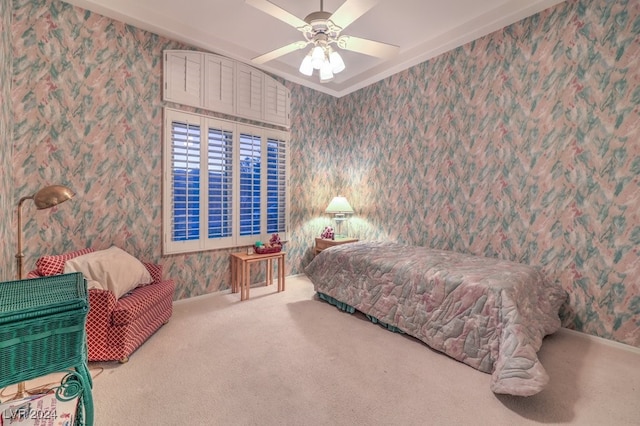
290,359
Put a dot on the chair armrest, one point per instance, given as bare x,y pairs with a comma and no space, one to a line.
103,298
34,274
155,270
101,305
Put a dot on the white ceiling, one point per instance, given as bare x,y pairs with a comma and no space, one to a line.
421,29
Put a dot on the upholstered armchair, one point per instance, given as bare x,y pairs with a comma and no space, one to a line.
117,325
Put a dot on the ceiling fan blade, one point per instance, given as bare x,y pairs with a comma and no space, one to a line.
350,11
277,12
368,47
279,52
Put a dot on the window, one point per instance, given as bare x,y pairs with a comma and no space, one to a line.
225,183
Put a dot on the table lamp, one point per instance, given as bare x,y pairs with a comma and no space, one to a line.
339,207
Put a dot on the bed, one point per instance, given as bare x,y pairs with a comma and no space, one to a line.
488,313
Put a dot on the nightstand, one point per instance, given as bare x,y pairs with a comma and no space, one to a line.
322,243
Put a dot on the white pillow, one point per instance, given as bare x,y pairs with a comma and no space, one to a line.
113,269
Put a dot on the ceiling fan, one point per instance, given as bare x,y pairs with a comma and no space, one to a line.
322,30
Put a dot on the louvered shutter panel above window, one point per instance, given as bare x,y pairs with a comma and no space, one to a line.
276,102
249,97
219,84
183,77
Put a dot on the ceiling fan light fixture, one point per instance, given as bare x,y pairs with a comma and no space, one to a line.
317,57
306,67
337,64
321,29
323,58
325,72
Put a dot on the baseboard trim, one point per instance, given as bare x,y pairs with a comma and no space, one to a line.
221,292
202,296
601,340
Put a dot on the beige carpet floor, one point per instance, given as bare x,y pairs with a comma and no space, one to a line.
290,359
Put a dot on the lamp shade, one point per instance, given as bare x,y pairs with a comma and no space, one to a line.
337,64
325,72
306,67
52,195
317,57
339,205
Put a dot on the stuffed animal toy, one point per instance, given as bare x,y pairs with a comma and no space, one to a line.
275,240
328,233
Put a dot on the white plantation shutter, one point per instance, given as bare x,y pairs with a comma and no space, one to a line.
277,205
185,181
183,80
225,184
249,97
250,194
220,183
219,84
276,102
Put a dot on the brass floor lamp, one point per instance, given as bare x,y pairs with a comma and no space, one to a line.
45,198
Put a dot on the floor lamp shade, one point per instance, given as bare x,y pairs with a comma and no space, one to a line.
51,196
45,198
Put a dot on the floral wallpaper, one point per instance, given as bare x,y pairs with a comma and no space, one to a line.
86,115
6,179
521,145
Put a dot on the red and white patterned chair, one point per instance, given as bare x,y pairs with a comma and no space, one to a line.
117,327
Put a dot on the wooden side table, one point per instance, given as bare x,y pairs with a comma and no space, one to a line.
241,271
322,243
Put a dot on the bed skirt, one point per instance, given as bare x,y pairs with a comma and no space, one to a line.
350,309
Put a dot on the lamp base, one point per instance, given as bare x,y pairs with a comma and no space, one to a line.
339,219
23,392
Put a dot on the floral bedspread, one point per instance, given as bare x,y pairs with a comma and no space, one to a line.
489,313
